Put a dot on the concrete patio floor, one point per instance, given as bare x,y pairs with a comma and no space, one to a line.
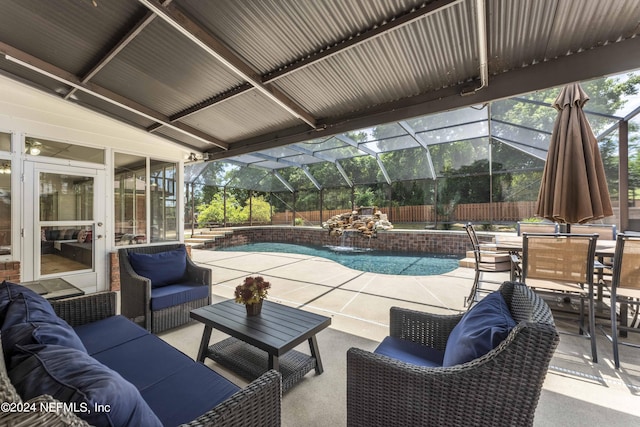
358,303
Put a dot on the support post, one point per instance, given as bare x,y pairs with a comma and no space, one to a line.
623,174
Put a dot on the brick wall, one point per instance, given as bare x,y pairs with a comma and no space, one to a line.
114,272
10,270
430,241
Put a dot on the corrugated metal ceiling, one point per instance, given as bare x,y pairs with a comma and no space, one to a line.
231,77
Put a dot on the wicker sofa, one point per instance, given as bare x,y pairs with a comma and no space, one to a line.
178,390
500,388
159,293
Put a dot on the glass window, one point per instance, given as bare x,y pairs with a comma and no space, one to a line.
66,202
133,223
5,142
65,197
5,207
130,199
5,196
63,150
164,220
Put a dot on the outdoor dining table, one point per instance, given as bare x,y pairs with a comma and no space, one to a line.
604,248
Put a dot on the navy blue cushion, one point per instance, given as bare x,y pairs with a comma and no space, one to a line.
144,361
170,295
30,319
8,292
57,333
19,334
410,352
163,268
479,331
73,376
200,389
28,307
107,333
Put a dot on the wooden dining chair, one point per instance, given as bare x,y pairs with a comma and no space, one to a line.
625,289
563,265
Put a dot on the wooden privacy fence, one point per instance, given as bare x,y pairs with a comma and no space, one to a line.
496,212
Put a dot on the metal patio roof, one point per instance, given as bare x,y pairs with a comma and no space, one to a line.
230,78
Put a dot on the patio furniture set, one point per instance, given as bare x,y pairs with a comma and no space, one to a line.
121,374
579,265
426,372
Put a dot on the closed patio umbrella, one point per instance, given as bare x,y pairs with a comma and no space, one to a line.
573,187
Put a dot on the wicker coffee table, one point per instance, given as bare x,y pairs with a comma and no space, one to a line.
259,343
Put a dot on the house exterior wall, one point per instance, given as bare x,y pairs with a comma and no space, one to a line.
25,111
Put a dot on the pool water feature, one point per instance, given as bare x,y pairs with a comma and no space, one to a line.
382,262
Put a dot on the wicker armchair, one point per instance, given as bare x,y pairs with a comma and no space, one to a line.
501,388
136,292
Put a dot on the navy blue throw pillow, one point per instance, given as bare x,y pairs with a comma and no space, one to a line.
30,319
96,393
479,331
9,291
163,268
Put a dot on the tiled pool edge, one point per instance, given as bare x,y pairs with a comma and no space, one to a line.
429,241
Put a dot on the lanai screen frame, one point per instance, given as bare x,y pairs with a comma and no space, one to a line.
419,140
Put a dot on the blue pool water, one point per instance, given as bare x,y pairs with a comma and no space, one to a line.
402,263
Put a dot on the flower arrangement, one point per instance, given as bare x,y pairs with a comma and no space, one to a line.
252,291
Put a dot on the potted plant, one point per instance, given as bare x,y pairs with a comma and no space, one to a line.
251,293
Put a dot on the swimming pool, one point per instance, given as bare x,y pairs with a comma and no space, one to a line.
383,262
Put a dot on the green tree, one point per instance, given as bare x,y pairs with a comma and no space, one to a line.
607,95
459,145
214,211
260,210
365,197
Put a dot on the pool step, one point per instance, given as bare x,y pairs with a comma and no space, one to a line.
498,262
200,238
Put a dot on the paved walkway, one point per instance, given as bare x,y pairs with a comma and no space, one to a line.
359,303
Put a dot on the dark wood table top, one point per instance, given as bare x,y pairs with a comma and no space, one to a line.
276,330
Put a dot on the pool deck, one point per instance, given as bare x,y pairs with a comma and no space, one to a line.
358,303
